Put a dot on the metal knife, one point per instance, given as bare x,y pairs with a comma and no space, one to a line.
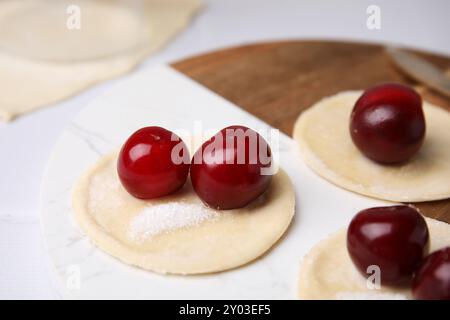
420,70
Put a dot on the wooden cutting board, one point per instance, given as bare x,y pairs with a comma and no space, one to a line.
276,81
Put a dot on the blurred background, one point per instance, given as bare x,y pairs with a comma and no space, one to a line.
27,141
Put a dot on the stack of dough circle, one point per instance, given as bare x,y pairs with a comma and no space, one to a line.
187,239
322,133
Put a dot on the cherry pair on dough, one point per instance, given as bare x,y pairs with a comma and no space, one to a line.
155,162
177,233
396,239
389,247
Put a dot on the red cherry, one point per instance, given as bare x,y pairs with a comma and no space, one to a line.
226,170
387,123
146,167
393,238
432,279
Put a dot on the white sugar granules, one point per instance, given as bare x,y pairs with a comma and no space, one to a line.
161,218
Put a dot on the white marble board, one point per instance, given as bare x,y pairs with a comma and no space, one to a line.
162,96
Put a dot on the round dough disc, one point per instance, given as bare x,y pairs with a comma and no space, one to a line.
178,234
105,28
327,271
325,143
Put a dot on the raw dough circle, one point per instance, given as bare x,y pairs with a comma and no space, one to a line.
327,271
120,28
203,240
326,146
29,84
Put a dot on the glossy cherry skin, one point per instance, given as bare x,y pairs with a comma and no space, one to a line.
220,179
145,165
393,238
387,123
432,279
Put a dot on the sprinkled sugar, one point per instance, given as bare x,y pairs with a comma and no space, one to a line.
162,218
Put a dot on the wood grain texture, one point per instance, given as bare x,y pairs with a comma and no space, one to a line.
277,81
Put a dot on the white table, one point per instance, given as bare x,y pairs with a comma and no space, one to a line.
26,143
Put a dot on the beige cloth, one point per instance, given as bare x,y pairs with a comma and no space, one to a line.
28,84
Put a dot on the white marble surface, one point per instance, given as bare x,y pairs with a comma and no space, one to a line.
26,143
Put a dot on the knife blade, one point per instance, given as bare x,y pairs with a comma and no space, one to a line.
420,70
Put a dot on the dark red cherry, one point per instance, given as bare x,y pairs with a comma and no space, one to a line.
394,238
227,171
387,123
432,279
153,162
